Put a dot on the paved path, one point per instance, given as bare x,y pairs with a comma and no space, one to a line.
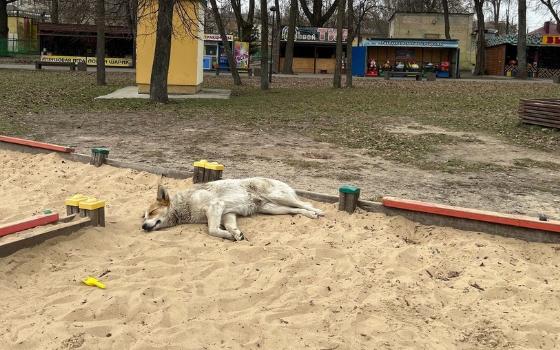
467,77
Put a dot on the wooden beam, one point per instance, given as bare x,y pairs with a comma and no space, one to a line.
36,144
25,224
26,239
472,214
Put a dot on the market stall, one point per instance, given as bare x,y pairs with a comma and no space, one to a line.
406,55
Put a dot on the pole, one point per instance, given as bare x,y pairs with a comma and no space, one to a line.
273,9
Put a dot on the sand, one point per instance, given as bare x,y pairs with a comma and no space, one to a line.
364,281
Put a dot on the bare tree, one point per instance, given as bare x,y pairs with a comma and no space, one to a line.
100,52
445,5
349,40
264,45
337,83
479,67
289,55
554,8
277,36
244,26
225,43
522,39
496,5
317,18
162,52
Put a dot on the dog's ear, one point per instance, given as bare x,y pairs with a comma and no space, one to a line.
162,195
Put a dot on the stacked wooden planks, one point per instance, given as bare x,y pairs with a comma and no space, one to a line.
543,111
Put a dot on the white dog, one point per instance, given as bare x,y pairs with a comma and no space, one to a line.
218,203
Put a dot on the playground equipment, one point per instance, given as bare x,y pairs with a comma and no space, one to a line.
515,226
205,171
348,198
82,211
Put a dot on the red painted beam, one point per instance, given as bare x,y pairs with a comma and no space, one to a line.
472,214
36,144
25,224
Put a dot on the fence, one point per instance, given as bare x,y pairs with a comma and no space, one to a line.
532,72
12,47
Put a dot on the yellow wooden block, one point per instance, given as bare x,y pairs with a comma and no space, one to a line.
214,166
75,200
201,163
92,204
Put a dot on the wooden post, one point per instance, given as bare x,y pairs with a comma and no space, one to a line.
348,198
72,203
99,156
198,172
93,209
213,171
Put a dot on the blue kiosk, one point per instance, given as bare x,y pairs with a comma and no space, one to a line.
376,54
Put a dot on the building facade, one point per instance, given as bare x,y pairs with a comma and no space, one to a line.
404,25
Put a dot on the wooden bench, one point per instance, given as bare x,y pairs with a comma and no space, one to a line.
389,74
543,112
40,64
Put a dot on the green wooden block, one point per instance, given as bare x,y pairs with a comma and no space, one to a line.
349,189
100,150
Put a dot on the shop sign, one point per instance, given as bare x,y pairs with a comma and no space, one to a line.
314,34
550,40
90,61
452,44
216,37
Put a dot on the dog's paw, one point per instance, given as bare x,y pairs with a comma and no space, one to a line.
239,236
319,212
311,214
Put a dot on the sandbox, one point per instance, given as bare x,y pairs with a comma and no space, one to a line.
361,281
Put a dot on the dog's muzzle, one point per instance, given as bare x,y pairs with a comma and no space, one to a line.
149,228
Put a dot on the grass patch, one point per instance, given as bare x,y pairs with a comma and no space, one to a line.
531,163
303,164
361,117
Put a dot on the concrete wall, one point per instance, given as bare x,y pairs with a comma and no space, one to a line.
431,26
185,65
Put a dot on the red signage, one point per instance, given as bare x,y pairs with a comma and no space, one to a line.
551,40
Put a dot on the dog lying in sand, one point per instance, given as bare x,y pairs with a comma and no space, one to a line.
218,203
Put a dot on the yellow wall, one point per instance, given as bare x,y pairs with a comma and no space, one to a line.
185,65
431,26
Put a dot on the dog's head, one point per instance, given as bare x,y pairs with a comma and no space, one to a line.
156,216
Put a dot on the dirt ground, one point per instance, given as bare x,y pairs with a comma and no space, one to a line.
167,140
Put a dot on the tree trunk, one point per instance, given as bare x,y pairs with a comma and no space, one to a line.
479,68
289,55
100,52
162,52
276,40
337,84
445,5
225,43
522,39
264,45
496,4
54,11
3,28
349,40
